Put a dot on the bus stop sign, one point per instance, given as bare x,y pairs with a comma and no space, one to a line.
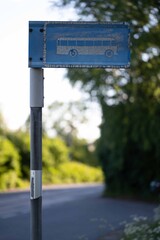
79,44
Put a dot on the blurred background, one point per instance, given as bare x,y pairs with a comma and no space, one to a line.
98,124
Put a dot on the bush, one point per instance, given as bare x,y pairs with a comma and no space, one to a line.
54,152
57,168
142,229
21,141
83,152
73,172
9,165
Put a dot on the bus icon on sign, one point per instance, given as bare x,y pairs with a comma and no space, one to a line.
87,46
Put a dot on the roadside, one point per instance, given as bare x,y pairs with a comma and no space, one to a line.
53,186
69,214
139,228
113,235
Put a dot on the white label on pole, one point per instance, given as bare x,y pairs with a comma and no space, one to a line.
35,184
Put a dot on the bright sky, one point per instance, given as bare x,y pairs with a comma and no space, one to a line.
14,75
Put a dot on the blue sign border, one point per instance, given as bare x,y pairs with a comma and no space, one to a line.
79,45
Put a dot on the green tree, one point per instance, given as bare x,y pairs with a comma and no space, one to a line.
83,152
3,127
128,147
21,140
57,149
9,164
55,152
65,119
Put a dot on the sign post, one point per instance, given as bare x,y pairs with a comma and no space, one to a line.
72,45
36,104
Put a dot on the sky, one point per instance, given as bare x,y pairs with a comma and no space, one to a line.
14,75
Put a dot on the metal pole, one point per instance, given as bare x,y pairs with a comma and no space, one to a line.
36,104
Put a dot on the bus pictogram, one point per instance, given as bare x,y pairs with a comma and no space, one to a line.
87,46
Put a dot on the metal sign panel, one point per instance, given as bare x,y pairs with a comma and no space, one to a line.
79,44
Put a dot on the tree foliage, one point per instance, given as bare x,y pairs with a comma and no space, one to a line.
21,141
57,165
129,99
65,119
83,152
9,164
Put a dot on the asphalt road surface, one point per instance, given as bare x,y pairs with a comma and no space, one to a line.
69,213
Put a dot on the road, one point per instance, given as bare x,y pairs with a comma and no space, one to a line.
69,213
